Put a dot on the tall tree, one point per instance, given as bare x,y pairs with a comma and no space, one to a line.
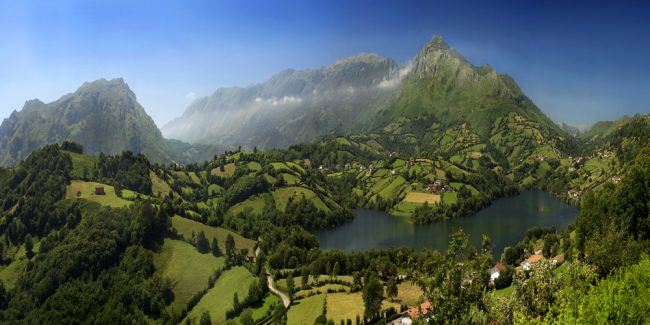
391,288
290,286
215,247
230,247
205,318
335,270
373,293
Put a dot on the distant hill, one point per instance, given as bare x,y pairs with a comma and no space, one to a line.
569,129
603,129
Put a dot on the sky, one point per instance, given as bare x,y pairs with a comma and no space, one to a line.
580,62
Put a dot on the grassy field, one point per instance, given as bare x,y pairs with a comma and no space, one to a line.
186,267
414,197
393,188
215,189
158,186
188,177
261,311
87,191
322,289
290,179
344,306
9,274
408,294
505,292
80,163
305,311
228,170
218,300
255,203
185,227
282,283
282,195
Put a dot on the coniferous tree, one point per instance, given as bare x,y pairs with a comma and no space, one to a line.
215,247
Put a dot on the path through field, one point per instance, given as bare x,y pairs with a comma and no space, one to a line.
285,299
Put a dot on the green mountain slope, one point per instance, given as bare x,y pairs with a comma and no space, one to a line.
443,90
103,116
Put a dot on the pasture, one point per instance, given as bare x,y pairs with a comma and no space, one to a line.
188,269
185,227
218,300
86,190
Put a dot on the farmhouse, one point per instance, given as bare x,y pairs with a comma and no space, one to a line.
496,271
416,311
558,260
530,261
99,190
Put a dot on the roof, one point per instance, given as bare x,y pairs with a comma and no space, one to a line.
558,259
425,307
500,266
534,258
99,186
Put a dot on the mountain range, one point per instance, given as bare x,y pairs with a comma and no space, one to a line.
437,95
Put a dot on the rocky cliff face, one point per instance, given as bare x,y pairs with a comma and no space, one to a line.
103,116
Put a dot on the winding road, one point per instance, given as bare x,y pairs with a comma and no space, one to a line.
285,299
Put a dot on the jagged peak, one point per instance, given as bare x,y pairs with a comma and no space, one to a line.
438,42
361,57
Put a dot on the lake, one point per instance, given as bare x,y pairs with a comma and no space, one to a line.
505,221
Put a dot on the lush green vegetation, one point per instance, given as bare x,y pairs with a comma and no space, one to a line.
66,248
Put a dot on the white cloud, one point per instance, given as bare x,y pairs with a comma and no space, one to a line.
190,96
275,101
397,79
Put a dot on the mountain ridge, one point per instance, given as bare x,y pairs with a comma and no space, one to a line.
102,115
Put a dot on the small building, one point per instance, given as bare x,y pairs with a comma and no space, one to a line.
416,311
558,260
394,171
405,321
616,179
250,256
530,261
496,271
393,154
433,188
99,190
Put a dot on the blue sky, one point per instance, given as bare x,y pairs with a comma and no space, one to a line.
580,62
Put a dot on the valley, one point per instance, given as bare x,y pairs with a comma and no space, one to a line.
445,186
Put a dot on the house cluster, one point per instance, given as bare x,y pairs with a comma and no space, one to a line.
536,158
528,263
577,159
414,312
438,186
605,154
575,194
496,271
